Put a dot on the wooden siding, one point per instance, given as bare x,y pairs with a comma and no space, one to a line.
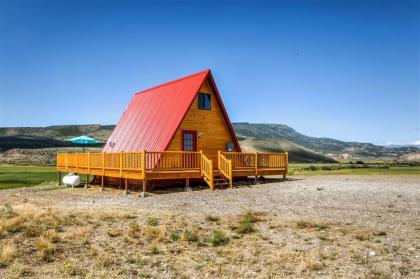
210,124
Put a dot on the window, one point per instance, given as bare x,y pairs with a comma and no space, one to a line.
189,140
204,101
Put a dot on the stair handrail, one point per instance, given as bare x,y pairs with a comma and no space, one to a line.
225,167
206,168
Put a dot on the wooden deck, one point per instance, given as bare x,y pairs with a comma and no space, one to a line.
155,165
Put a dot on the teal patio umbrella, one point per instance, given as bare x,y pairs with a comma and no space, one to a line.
83,140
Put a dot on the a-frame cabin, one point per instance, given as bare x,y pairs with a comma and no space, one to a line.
186,114
176,130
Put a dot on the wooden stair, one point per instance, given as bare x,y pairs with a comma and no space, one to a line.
220,181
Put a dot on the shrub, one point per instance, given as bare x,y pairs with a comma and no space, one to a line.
70,268
302,224
246,222
46,249
152,233
13,225
380,233
7,253
212,218
190,236
249,217
7,211
245,227
153,249
218,238
51,236
362,235
175,236
133,228
105,260
152,221
33,230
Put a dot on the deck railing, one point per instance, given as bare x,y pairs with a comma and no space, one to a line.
137,165
172,160
101,163
225,168
256,161
272,160
241,160
207,170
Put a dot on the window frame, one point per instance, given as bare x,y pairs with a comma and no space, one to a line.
194,140
204,101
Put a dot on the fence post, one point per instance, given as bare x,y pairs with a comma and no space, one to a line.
218,159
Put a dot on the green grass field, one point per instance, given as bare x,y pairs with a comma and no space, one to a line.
382,168
13,176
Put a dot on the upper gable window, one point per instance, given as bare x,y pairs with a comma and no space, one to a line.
204,101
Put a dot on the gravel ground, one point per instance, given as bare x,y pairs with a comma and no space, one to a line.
376,200
389,204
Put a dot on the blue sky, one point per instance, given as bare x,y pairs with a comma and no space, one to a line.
341,69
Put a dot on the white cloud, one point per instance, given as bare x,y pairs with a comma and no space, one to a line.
417,142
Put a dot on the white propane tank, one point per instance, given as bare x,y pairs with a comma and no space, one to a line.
71,179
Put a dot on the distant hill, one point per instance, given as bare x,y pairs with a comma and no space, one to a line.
60,132
273,134
252,137
34,142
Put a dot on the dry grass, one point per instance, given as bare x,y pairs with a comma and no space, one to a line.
8,252
50,243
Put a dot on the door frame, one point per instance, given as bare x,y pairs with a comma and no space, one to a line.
194,133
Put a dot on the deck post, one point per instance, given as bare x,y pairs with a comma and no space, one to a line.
59,178
187,185
218,159
256,167
102,182
144,193
125,192
87,181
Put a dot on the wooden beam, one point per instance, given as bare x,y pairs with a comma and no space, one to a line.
87,181
144,193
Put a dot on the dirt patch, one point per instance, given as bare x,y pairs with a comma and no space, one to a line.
324,226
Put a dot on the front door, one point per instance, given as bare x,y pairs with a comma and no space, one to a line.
189,141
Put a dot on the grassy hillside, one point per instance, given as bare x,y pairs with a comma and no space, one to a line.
296,152
252,137
339,150
61,132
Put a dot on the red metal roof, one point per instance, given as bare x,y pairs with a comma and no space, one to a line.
154,115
